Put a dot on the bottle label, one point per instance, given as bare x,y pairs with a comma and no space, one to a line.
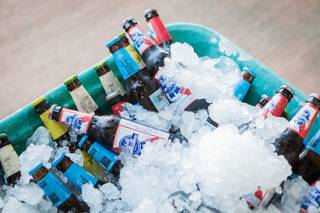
252,201
83,100
56,129
303,120
159,31
176,93
111,84
103,156
9,160
275,106
123,110
54,189
312,198
130,136
241,89
159,99
92,166
135,56
127,62
79,121
140,41
78,176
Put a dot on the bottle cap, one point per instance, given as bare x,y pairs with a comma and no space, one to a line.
53,108
70,80
35,169
150,13
286,91
247,75
112,42
58,159
315,100
128,22
83,139
38,101
102,68
121,35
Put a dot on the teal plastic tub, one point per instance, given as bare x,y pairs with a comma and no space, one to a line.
20,125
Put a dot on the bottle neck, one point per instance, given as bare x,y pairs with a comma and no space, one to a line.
159,31
73,85
64,164
141,41
302,122
42,107
4,142
40,174
275,106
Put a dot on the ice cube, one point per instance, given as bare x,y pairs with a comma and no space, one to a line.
93,197
13,205
40,136
29,193
110,191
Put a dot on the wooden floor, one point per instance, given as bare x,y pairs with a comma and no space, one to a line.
44,42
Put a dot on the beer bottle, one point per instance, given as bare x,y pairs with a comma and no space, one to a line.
119,106
60,196
159,32
77,175
140,86
9,160
106,158
59,132
82,99
152,55
278,102
243,85
263,101
184,99
290,142
312,198
108,80
113,132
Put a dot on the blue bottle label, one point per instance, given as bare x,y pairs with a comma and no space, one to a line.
54,189
241,89
128,61
78,176
103,156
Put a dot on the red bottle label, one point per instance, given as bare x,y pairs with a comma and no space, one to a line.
79,121
275,106
303,120
141,41
159,31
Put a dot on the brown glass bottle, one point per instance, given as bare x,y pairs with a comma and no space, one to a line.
9,160
140,87
152,55
82,99
290,143
55,190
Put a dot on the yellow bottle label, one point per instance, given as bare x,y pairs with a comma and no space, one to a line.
9,160
133,53
56,129
92,166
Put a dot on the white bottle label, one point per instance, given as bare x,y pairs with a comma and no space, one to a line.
9,160
83,100
130,136
111,84
78,121
159,99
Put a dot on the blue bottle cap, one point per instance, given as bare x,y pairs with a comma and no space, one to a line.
58,159
112,42
83,139
35,169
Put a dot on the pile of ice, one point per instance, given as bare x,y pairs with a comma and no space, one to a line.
209,174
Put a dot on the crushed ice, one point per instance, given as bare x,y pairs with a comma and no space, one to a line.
212,172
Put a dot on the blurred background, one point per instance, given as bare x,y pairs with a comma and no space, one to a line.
44,42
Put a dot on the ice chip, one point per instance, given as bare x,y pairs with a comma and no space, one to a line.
40,136
29,193
93,197
110,191
13,205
